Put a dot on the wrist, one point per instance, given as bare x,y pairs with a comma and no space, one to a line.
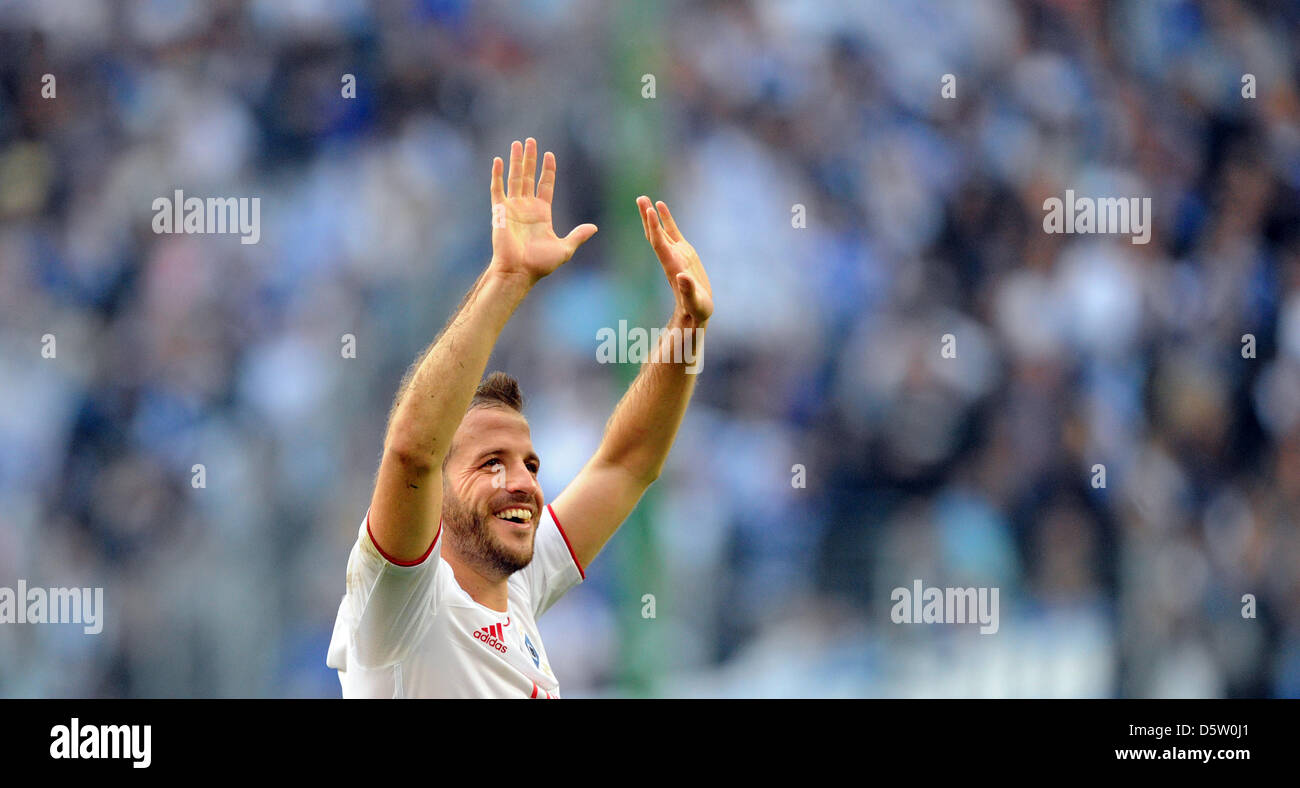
512,279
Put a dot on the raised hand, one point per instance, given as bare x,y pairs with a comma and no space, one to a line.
681,264
523,241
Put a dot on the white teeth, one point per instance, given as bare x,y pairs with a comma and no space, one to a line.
521,514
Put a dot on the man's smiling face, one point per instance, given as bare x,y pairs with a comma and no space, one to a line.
491,499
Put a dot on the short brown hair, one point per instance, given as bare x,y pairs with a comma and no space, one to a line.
498,389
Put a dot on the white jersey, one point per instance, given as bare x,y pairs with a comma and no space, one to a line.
410,631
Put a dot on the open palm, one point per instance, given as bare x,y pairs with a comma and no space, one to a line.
523,240
682,266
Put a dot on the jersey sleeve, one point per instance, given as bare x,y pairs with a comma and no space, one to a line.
554,568
389,604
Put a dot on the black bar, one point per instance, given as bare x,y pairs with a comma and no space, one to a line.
871,738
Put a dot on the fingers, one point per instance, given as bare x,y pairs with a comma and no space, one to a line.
579,236
530,168
642,206
515,187
658,237
497,189
654,230
669,224
546,186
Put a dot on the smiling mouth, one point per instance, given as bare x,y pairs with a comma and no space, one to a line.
517,516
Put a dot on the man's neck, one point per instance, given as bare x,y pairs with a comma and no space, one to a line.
491,591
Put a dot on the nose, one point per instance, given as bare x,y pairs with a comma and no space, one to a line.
520,479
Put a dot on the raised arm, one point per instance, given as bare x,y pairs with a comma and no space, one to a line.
641,431
434,395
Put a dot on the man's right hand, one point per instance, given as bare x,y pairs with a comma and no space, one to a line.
523,241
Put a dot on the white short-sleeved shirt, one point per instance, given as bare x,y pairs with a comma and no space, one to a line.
410,631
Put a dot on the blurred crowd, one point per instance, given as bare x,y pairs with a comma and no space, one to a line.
850,216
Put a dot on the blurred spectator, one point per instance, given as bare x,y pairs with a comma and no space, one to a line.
923,218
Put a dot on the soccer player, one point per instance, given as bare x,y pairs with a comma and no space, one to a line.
459,552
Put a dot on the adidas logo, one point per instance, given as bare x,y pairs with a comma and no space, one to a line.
492,636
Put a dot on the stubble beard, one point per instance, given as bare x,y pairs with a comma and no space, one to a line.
472,535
